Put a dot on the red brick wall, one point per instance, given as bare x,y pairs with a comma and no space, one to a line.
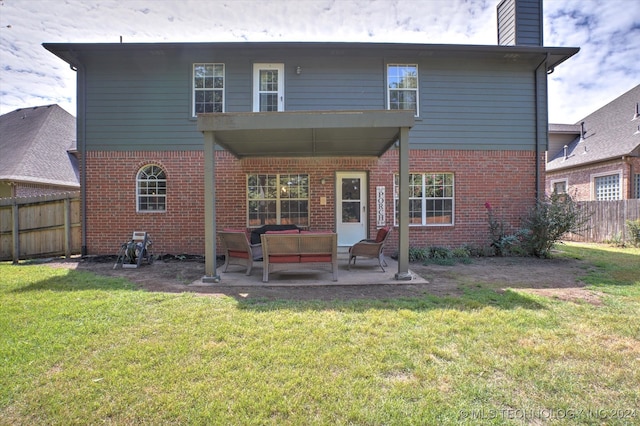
503,178
111,202
579,180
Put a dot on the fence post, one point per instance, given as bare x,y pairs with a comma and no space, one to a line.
16,231
67,227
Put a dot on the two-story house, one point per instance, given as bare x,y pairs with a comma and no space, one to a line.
181,139
598,158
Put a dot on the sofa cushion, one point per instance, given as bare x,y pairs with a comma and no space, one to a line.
255,233
285,231
242,254
284,258
309,258
382,233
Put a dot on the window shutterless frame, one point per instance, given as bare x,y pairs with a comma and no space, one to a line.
268,87
431,199
151,189
277,199
402,87
208,83
606,185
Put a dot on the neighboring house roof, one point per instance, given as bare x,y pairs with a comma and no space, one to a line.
611,132
37,146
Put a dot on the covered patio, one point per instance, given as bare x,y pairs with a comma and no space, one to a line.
306,134
365,272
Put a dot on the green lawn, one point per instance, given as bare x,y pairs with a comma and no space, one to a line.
76,348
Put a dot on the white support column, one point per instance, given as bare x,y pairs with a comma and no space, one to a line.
210,209
403,207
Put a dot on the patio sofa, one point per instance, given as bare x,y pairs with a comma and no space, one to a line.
296,250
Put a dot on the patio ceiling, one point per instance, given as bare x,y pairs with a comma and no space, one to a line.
306,133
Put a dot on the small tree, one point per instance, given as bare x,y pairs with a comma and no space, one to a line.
549,220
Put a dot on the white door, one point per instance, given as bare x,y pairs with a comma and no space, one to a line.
268,87
351,207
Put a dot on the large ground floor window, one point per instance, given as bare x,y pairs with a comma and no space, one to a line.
277,199
431,198
607,187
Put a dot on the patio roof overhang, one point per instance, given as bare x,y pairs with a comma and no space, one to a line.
306,134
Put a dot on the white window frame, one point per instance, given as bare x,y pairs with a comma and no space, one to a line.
556,181
195,90
592,179
278,190
424,221
256,84
143,190
416,89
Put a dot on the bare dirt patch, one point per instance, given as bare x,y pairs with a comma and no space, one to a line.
555,278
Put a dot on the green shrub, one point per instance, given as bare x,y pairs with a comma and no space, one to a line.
502,243
418,254
548,221
461,253
634,232
440,253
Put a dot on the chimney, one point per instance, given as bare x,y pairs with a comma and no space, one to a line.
520,23
637,113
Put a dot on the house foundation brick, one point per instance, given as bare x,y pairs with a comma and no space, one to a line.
505,179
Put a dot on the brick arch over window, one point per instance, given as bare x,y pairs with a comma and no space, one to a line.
151,189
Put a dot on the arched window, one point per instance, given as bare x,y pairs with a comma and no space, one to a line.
151,189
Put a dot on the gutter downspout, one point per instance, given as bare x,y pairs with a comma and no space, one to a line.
537,115
81,135
629,187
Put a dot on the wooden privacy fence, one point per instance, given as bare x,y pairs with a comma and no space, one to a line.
606,220
42,226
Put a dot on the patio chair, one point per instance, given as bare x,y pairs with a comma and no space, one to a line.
238,250
371,248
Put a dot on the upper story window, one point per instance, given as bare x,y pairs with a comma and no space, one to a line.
278,199
402,87
607,187
151,189
268,87
637,180
208,88
430,198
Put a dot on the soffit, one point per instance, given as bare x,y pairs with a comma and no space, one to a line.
306,133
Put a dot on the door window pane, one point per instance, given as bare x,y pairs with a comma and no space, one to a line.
351,200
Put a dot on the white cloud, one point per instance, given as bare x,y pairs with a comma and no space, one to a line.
606,31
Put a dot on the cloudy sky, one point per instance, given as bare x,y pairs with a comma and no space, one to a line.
607,31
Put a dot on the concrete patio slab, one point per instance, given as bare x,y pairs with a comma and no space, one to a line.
365,272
